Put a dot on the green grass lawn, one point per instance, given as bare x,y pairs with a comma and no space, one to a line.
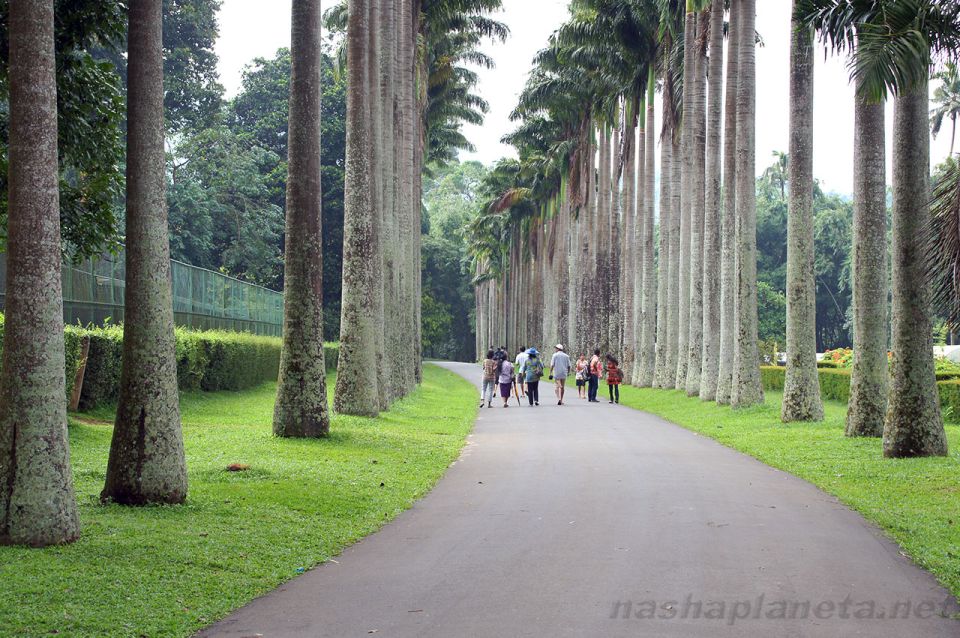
168,571
917,501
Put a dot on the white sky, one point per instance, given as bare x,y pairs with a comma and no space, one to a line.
247,31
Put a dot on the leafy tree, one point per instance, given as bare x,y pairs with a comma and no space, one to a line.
90,105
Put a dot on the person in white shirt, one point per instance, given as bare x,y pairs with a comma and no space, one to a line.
518,365
559,371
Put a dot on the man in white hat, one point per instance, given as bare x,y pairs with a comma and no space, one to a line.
559,371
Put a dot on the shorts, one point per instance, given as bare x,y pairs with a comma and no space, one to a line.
560,380
581,383
520,379
505,390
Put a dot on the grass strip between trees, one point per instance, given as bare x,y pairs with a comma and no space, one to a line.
916,501
169,571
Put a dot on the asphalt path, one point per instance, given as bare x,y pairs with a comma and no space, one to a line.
598,520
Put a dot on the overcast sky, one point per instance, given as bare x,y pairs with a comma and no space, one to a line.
247,31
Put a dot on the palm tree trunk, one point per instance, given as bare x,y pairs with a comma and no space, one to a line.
357,390
914,424
648,338
687,200
728,273
37,503
695,304
301,407
867,406
147,463
665,289
710,362
639,241
629,276
676,208
801,390
616,210
747,389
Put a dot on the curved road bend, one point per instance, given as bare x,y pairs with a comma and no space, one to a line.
577,521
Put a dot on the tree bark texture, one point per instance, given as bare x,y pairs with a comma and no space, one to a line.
649,334
801,390
914,423
301,406
147,463
687,199
695,304
37,503
747,390
869,384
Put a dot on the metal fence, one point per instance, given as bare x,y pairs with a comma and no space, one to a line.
93,293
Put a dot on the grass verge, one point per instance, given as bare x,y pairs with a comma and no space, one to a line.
916,501
169,571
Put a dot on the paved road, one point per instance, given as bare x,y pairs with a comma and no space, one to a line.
575,521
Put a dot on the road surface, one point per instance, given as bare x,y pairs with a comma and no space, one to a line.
597,520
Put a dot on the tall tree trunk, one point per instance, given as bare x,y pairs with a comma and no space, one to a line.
728,273
629,281
614,261
676,207
695,304
710,362
648,338
801,390
639,240
301,407
603,242
687,200
665,273
37,504
147,463
914,424
358,381
747,389
867,406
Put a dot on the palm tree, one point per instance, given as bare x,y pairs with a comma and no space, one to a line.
37,503
946,97
359,371
147,463
650,281
801,391
301,407
728,275
869,378
747,389
697,213
895,46
687,188
710,361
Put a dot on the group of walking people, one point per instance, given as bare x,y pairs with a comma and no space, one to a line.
521,376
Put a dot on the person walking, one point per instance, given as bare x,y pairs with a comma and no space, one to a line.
614,378
581,369
489,380
506,381
532,371
559,371
518,366
594,370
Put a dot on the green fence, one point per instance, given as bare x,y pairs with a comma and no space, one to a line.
93,292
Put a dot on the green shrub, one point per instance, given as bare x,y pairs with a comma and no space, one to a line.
772,377
827,363
101,379
835,384
950,399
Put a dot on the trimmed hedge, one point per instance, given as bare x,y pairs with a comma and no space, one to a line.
835,385
206,360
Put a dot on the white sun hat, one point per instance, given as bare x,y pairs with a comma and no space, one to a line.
559,346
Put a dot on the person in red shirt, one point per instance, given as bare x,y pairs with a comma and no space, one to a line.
614,378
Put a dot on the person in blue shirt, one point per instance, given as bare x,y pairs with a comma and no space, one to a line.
532,371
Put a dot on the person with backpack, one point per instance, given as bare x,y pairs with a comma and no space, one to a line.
614,378
489,380
532,371
594,370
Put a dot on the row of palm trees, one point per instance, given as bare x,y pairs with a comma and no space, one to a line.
408,96
408,93
565,248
